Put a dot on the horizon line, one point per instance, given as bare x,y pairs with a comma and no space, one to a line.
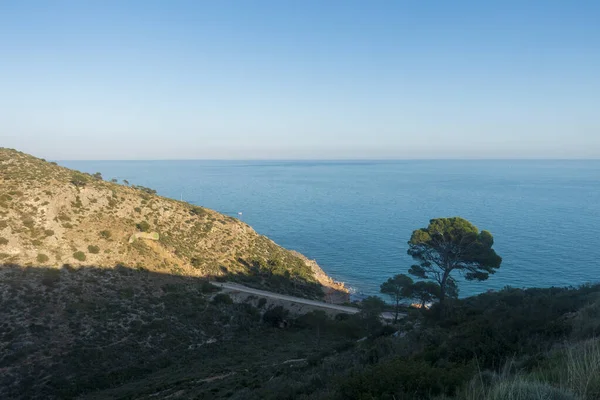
330,159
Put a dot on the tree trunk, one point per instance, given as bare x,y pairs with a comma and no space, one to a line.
397,307
443,290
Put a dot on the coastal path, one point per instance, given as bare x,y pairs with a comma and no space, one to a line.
234,287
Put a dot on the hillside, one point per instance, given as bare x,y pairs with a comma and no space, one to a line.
52,216
93,305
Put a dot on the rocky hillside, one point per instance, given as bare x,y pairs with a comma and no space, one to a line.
52,216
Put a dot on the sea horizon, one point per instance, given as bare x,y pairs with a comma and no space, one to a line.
332,159
355,218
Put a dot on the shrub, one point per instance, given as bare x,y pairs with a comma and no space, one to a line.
97,176
143,226
405,378
79,255
77,203
199,211
137,210
145,189
93,249
196,262
78,179
51,277
262,302
42,258
49,232
28,222
207,287
276,315
222,298
105,234
3,241
586,323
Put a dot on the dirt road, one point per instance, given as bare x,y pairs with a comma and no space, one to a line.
315,303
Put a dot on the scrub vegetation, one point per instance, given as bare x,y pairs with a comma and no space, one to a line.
77,218
91,308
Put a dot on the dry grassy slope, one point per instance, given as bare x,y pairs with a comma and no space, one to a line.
45,219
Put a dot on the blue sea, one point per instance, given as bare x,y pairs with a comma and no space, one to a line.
355,217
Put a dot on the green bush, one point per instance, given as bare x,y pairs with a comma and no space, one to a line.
143,226
405,378
586,323
49,232
222,298
93,249
79,255
196,262
3,241
199,211
207,287
51,277
42,258
276,315
145,189
78,179
77,203
105,234
495,326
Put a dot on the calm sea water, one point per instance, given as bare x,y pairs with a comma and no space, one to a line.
355,217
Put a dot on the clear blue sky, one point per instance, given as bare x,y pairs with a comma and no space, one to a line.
300,79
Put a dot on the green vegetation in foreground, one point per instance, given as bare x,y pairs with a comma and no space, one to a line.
129,333
153,327
123,332
135,334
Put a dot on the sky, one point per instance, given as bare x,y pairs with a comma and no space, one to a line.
300,79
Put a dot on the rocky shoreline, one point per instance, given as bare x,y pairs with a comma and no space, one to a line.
335,291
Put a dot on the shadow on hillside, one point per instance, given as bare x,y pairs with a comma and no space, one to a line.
70,331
